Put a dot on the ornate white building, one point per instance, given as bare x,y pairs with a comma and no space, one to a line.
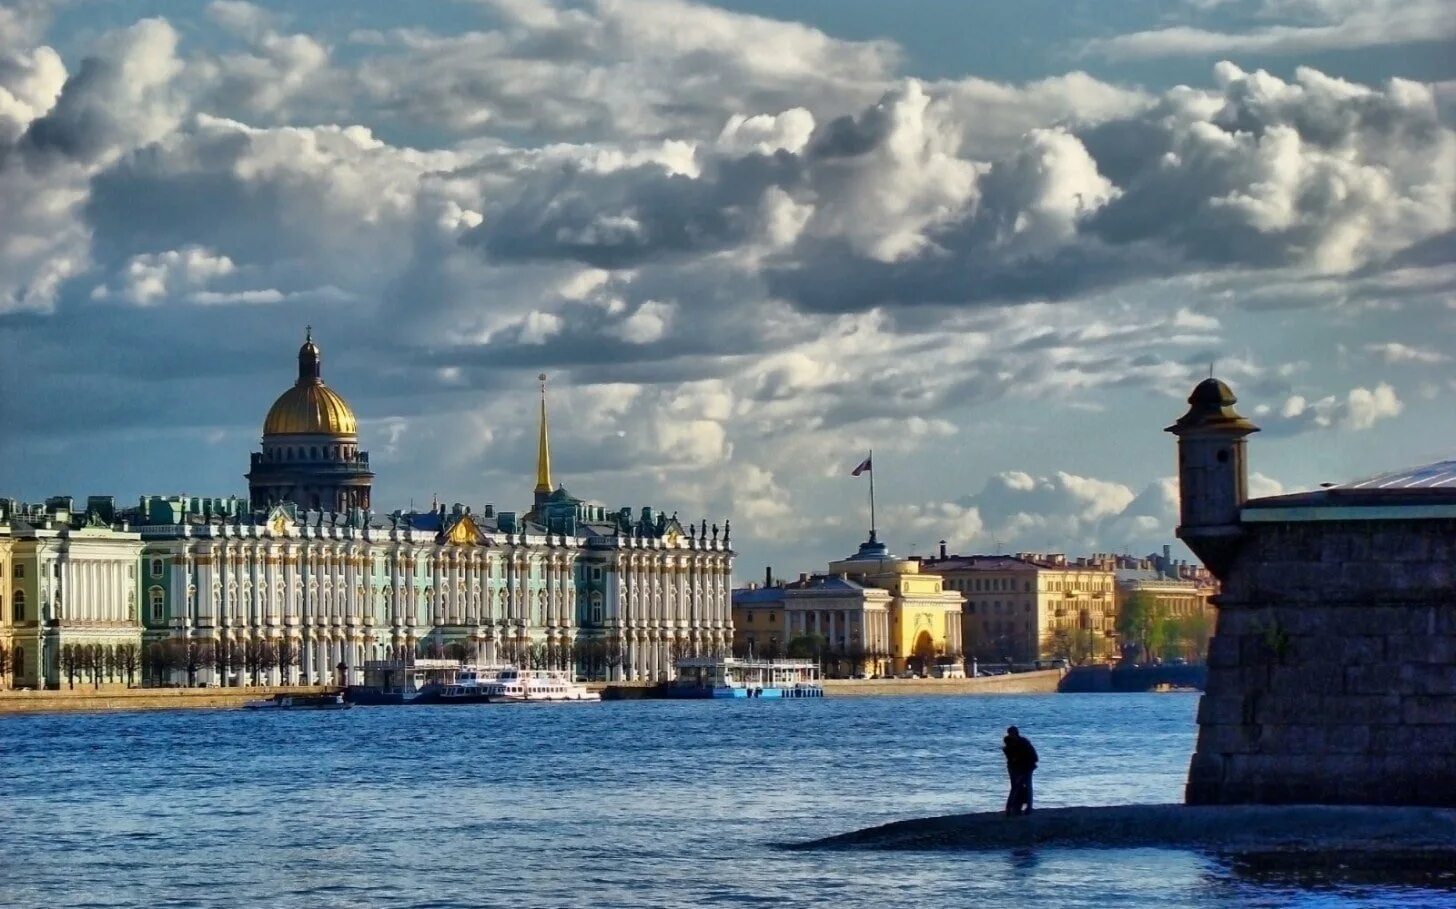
286,594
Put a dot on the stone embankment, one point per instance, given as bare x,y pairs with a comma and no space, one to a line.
1313,834
82,699
1044,681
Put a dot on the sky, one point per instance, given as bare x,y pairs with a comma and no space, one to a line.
995,242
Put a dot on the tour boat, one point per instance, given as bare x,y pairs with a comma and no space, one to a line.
472,685
531,685
301,702
730,677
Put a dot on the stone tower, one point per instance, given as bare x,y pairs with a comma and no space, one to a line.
1213,476
1332,670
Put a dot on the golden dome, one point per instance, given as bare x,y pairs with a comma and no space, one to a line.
310,407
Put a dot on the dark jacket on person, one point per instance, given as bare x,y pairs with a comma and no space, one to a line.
1020,756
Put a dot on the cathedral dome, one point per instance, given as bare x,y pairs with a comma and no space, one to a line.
310,407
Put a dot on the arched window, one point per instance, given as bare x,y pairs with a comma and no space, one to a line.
156,568
19,606
313,452
158,604
596,609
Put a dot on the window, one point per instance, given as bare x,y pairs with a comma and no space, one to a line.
771,617
596,573
748,617
156,568
20,572
19,609
158,604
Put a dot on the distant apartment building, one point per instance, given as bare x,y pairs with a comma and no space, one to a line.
1033,606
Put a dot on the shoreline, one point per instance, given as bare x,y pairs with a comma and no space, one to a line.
13,703
1303,834
114,698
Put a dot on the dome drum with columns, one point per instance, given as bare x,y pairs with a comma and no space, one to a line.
310,453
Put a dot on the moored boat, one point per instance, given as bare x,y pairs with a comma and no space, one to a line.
536,685
472,685
300,702
730,677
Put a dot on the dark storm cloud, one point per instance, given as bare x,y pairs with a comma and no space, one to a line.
634,215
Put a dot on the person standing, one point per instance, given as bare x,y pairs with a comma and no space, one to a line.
1020,764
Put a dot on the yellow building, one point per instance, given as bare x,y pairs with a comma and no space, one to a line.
873,613
7,615
72,594
1034,606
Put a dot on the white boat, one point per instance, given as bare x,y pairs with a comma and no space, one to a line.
471,684
530,685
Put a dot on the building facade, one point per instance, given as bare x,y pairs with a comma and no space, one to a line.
302,582
875,613
1332,671
1034,606
72,583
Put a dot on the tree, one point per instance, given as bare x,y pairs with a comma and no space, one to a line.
1197,628
157,663
613,655
258,655
4,663
1139,622
70,659
286,655
128,657
806,646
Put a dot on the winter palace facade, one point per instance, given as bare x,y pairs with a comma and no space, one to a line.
305,567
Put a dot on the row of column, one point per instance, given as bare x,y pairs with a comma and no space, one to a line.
96,591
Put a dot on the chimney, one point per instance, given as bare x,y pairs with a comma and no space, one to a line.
768,576
942,549
803,577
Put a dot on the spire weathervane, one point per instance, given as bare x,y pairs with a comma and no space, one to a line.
543,449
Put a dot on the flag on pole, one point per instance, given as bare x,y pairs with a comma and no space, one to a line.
863,466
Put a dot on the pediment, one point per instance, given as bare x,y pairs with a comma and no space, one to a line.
464,532
279,521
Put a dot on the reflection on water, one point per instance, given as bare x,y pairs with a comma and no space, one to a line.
617,804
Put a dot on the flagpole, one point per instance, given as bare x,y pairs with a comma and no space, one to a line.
872,495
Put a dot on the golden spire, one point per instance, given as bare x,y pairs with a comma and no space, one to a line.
543,449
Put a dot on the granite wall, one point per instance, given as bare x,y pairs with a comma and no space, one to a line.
1332,672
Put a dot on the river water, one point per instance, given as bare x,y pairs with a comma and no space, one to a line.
652,803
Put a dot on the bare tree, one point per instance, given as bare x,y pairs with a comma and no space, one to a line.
156,664
128,657
613,654
92,662
286,655
258,655
70,660
230,659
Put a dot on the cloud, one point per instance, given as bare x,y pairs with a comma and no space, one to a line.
648,68
1394,352
152,277
1340,25
1359,409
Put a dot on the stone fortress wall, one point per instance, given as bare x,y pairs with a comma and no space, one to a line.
1332,674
